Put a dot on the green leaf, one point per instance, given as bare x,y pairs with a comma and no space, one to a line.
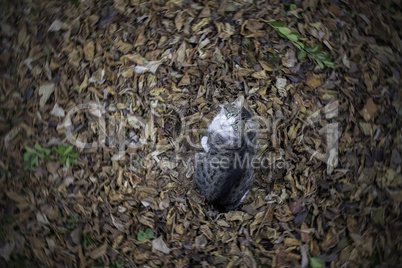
29,149
38,147
320,63
316,262
316,49
141,236
302,54
26,157
298,45
277,24
69,149
119,263
329,64
283,13
74,155
323,57
68,163
148,234
59,150
281,34
292,37
293,7
284,30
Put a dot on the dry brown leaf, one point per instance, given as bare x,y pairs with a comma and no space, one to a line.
200,242
179,22
15,197
266,66
141,39
290,59
74,58
205,13
331,240
120,5
197,27
98,252
260,75
160,245
83,262
89,50
313,80
369,111
124,47
136,58
45,91
185,81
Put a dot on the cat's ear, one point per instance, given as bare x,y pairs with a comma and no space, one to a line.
239,102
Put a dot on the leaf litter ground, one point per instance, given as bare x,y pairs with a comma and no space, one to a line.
135,80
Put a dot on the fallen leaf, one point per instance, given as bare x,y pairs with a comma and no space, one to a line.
41,218
6,250
185,81
266,66
97,77
45,91
369,111
260,75
200,242
15,197
98,252
58,111
160,245
280,85
124,47
290,59
313,80
199,25
57,25
89,50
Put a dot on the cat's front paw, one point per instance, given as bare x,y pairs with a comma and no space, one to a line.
204,143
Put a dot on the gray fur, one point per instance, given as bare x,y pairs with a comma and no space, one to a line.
225,185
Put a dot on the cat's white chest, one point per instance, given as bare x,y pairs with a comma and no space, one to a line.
204,143
222,125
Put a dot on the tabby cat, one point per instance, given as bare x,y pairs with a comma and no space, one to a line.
224,173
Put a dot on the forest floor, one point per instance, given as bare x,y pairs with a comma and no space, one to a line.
103,104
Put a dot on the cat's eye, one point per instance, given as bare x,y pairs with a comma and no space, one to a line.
228,115
234,126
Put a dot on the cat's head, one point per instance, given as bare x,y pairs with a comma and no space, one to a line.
232,114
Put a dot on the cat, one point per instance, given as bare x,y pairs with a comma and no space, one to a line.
223,174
